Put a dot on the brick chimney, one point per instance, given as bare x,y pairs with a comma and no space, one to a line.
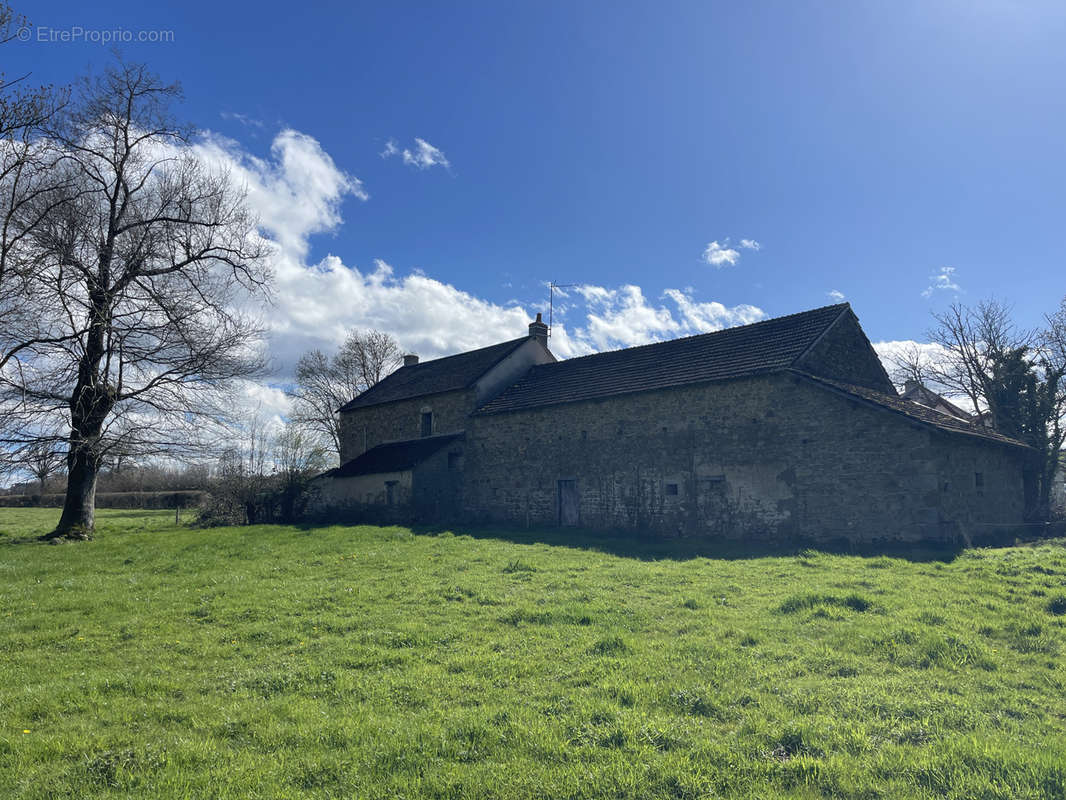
539,331
410,360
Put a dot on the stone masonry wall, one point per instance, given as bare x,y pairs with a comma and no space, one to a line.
363,428
769,456
970,505
845,354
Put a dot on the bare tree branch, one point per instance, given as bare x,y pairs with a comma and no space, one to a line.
324,384
134,262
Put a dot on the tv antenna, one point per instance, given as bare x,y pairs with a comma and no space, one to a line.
552,286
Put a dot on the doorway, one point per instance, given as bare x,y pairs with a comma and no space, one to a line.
569,503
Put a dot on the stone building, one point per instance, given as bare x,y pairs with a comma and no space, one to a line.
785,428
917,392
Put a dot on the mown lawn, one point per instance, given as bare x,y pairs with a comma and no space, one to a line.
275,662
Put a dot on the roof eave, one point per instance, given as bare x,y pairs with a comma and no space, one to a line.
1001,440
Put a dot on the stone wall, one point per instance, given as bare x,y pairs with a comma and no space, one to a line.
845,354
361,490
770,456
363,428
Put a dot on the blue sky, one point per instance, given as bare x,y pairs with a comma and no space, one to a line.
902,154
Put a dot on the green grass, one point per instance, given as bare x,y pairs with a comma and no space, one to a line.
277,662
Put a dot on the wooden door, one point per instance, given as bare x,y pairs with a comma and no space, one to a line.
569,503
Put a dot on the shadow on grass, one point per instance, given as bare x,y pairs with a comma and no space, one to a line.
656,547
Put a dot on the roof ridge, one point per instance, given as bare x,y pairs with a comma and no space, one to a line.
466,368
705,333
467,352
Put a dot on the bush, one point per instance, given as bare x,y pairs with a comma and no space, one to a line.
255,501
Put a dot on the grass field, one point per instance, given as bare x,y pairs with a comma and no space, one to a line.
277,662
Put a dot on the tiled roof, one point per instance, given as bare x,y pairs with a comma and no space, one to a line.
925,396
915,411
762,347
439,375
392,457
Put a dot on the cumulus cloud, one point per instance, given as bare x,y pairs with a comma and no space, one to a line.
298,192
942,281
705,317
893,352
720,255
317,306
624,317
835,296
422,156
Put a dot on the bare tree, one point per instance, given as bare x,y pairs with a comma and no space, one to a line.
1017,375
910,363
298,456
44,458
324,383
976,342
22,106
27,176
142,258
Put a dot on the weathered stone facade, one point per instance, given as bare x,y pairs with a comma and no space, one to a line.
364,428
767,456
788,428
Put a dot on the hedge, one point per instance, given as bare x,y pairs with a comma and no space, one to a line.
176,499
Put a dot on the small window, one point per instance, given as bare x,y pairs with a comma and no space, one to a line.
427,423
979,482
453,460
670,489
390,492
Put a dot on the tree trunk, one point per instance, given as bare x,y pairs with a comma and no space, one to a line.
79,505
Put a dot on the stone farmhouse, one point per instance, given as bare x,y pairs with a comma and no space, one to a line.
785,428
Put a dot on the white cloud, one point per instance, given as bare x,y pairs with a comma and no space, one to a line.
705,317
423,156
720,255
835,296
297,192
929,355
942,281
889,351
623,317
750,244
244,119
